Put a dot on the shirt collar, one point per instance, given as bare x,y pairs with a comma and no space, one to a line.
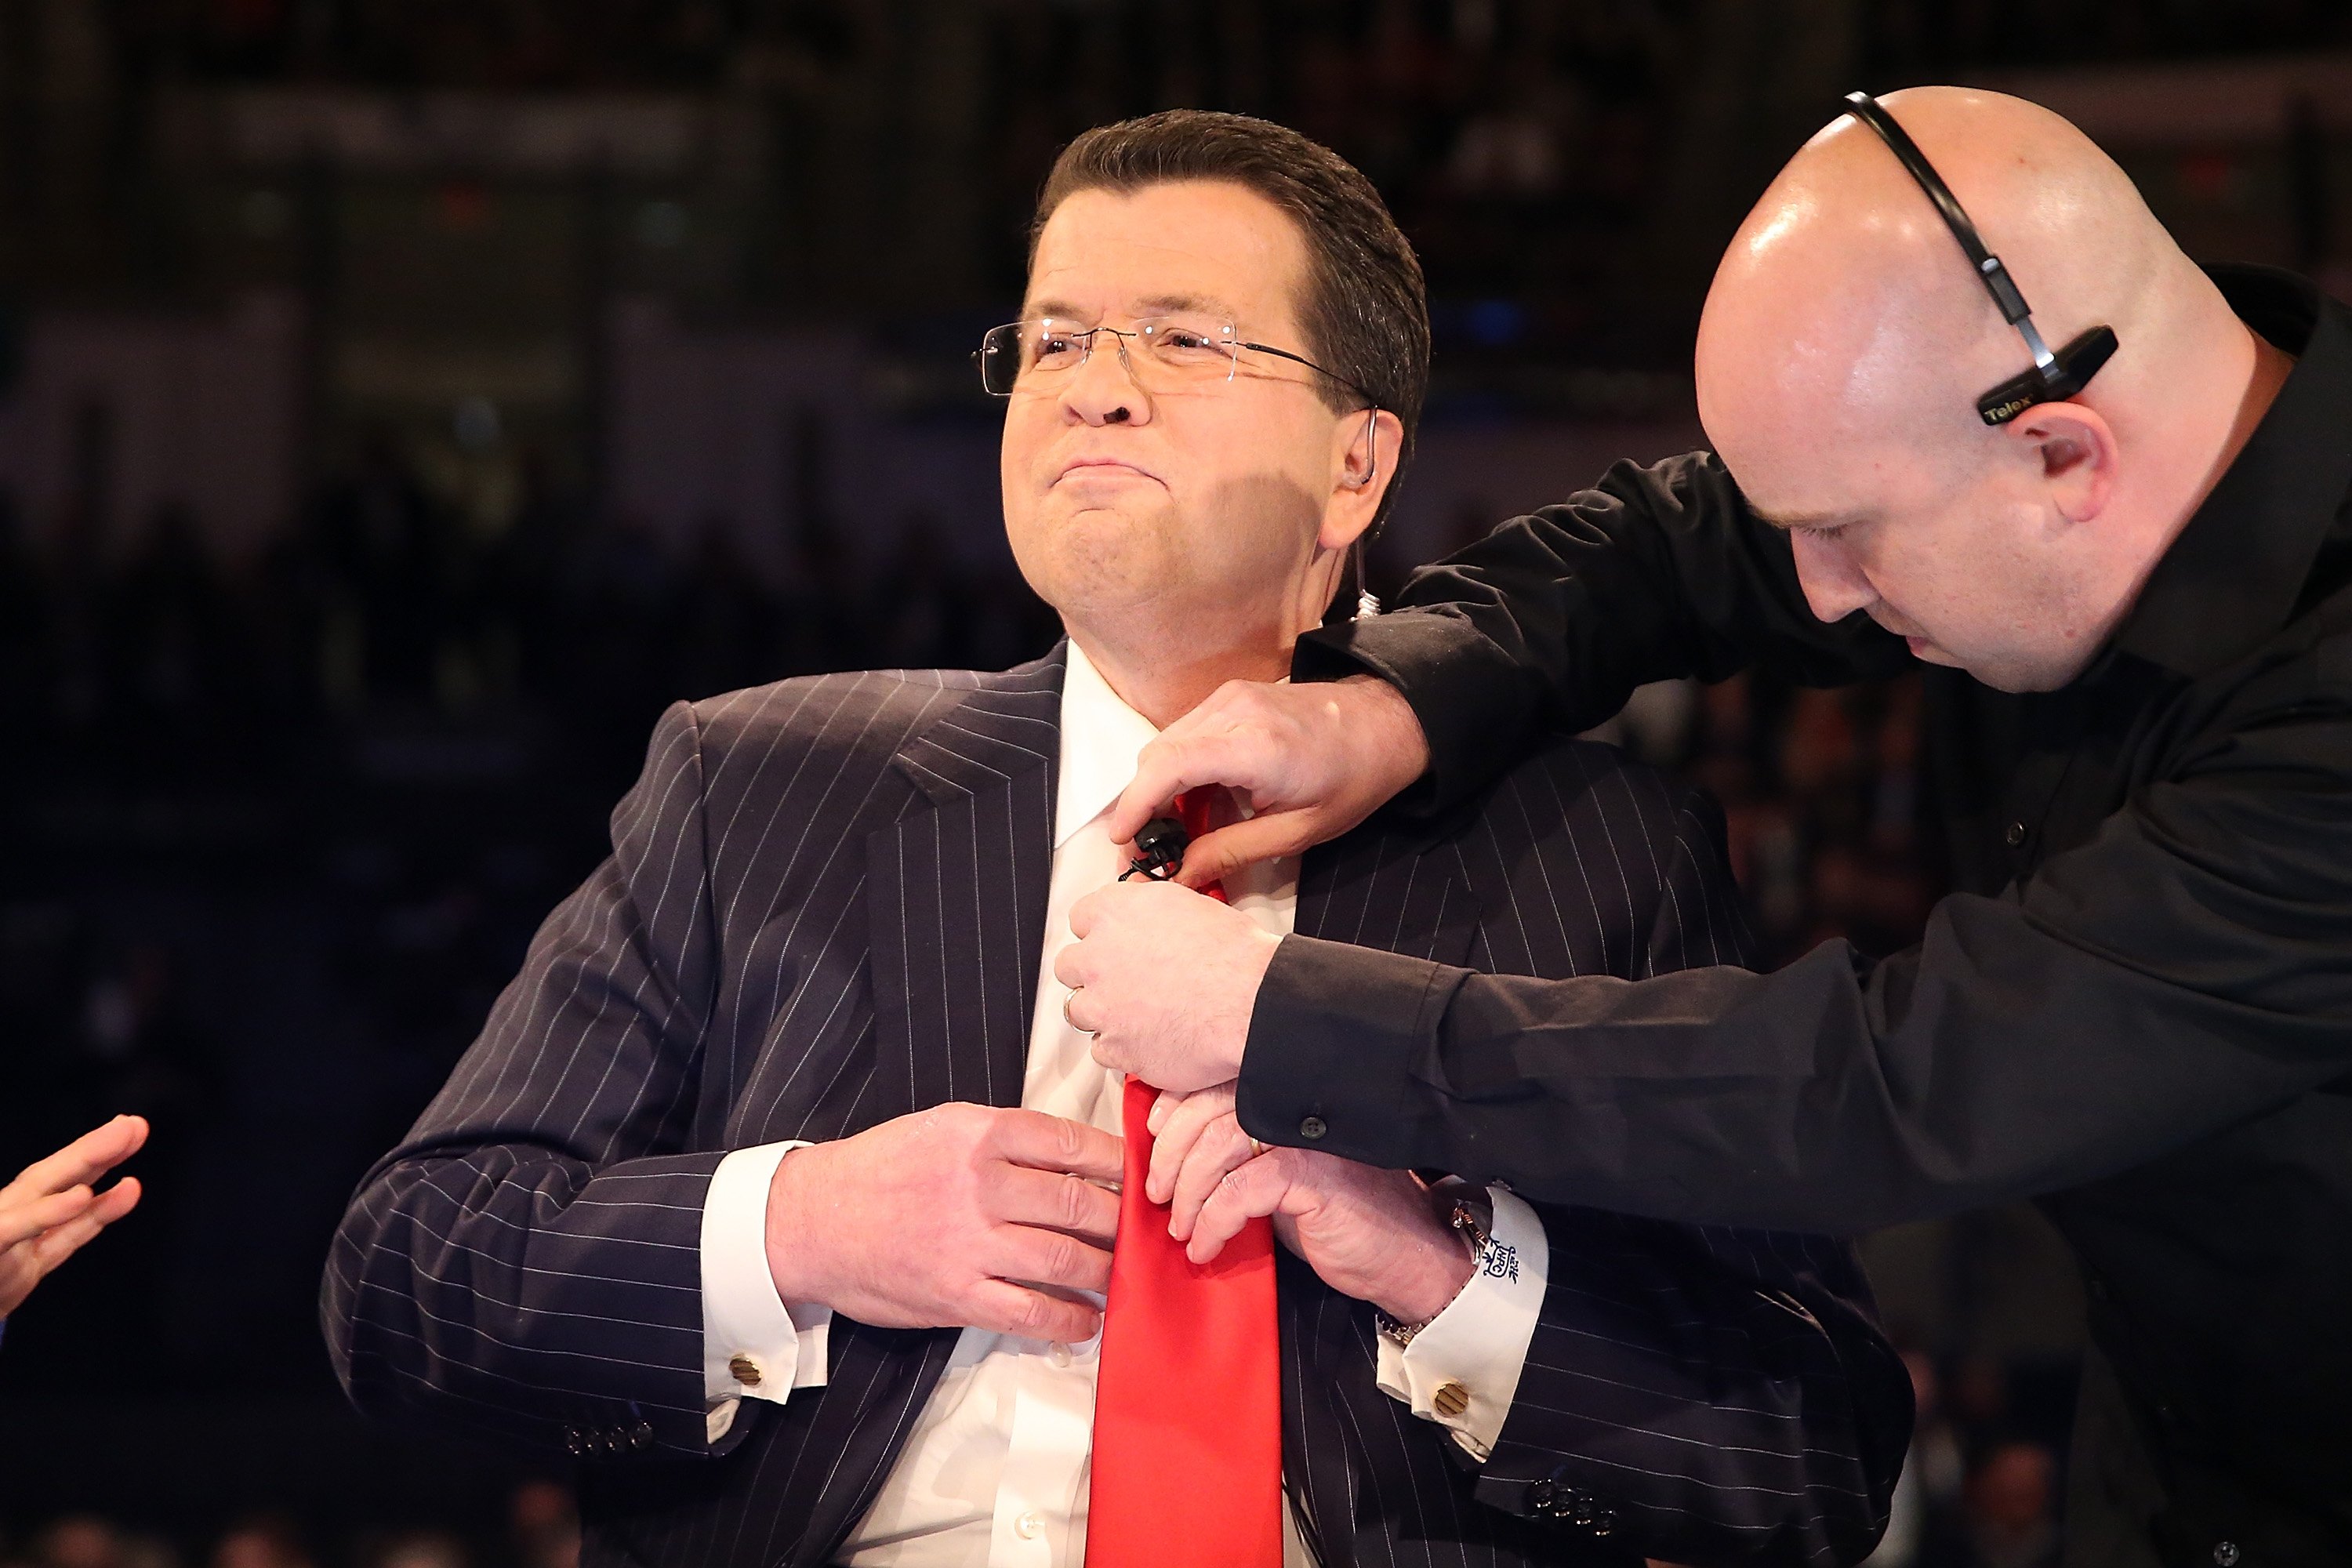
1101,737
2232,577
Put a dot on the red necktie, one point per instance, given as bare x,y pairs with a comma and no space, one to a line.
1188,1402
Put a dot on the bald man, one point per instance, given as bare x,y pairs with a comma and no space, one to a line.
2127,560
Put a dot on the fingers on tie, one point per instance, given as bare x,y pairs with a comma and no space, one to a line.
1214,856
1004,1307
1254,1190
1164,769
1023,1252
1056,1143
1025,1196
1177,1121
1223,1149
1161,1109
1172,1142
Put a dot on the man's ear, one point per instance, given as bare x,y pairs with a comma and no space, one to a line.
2075,449
1363,465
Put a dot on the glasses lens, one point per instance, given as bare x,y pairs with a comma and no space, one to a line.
1000,359
1053,345
1192,348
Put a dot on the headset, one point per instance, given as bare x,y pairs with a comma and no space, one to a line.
2054,376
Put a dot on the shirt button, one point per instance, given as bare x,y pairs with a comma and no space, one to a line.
1028,1527
2015,835
744,1369
1058,1355
1313,1129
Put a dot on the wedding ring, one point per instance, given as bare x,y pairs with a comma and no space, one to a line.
1258,1148
1065,1011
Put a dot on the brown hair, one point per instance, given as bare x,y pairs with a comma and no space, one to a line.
1365,310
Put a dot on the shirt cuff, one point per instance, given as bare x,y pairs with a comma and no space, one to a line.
1478,1345
754,1346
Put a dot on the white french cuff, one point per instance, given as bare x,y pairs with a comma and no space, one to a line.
754,1346
1462,1369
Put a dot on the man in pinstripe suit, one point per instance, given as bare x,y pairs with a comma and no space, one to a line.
773,1188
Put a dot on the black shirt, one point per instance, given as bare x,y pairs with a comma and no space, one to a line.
2137,1006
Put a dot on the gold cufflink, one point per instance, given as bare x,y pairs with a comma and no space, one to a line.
747,1371
1451,1399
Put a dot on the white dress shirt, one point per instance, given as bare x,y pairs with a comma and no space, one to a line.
994,1473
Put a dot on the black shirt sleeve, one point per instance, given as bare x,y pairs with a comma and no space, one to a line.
1552,620
2181,971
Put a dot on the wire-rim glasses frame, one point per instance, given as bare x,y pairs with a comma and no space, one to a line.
1193,348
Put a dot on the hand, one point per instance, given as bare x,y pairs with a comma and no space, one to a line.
1313,760
1371,1234
1196,1141
54,1206
958,1216
1165,979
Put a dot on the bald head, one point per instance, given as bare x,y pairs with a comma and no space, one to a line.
1846,340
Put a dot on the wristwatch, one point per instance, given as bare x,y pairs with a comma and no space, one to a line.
1471,1226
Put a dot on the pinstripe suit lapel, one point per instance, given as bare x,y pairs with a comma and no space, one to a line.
956,896
1380,889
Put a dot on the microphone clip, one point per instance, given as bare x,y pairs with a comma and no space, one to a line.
1159,850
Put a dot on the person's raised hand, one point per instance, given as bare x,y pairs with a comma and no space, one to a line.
1312,759
1371,1234
54,1205
1165,979
961,1216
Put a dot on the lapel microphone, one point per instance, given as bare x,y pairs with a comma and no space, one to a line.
1158,850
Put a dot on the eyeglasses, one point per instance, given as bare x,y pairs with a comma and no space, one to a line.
2054,376
1171,353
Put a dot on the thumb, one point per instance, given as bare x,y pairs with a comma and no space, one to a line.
1214,856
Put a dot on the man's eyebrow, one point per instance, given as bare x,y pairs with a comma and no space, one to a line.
1156,305
1183,302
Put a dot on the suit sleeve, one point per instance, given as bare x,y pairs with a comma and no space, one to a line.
525,1264
1550,621
1704,1396
2176,973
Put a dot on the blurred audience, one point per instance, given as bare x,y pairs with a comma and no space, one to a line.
543,1532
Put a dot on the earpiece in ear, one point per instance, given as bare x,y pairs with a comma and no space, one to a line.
1372,450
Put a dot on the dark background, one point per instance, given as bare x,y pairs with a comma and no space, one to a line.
401,400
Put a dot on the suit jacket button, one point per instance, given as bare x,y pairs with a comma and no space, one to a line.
1313,1129
2015,835
575,1440
1451,1399
1540,1496
743,1370
641,1435
2225,1555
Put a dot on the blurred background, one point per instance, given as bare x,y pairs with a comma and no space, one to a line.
401,400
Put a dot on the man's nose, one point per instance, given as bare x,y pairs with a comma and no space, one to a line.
1834,586
1104,389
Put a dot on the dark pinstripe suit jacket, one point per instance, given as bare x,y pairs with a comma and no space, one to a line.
825,909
